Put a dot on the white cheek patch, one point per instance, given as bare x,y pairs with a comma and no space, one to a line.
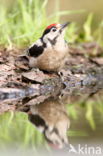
55,139
50,35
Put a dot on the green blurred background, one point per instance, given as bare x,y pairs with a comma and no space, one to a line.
22,22
89,6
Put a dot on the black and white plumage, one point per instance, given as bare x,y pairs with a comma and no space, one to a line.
50,51
50,118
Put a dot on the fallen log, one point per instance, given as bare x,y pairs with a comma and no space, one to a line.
20,89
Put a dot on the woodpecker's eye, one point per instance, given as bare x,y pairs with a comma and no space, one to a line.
54,29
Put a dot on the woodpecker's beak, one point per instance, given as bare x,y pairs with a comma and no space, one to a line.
63,26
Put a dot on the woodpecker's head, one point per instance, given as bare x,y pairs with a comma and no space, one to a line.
54,32
55,134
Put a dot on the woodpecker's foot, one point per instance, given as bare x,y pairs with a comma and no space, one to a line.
63,74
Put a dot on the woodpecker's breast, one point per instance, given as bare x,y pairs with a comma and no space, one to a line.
48,57
52,59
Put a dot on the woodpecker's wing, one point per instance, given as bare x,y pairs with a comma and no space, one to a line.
36,49
37,121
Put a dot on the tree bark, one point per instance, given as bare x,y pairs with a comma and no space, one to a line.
19,89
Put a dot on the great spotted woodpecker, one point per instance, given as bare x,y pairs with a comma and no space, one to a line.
50,51
50,118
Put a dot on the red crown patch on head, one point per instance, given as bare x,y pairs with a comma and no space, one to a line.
51,25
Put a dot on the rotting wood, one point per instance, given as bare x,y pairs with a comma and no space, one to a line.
81,76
